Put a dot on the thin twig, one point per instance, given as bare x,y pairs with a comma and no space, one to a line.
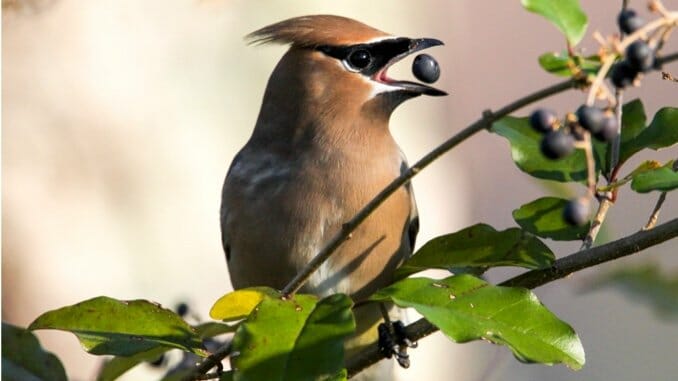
590,165
667,58
597,222
213,360
607,200
654,217
483,123
535,278
616,142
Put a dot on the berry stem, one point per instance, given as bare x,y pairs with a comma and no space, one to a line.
590,165
616,142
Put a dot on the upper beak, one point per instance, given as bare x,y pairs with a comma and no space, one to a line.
415,45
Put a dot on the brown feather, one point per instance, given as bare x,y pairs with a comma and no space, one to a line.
311,31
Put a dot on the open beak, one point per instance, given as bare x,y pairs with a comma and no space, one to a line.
414,45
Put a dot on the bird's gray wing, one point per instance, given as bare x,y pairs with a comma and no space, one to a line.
223,212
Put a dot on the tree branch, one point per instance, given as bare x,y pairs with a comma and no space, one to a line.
535,278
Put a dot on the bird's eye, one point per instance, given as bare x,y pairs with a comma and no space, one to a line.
359,59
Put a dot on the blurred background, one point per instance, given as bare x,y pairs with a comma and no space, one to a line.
121,117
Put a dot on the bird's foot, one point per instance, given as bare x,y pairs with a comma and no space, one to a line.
393,341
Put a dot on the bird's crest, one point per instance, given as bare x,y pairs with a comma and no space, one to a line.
312,31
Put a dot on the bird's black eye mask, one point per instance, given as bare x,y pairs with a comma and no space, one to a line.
368,59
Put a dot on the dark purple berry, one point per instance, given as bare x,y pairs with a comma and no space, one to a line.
591,118
640,56
426,68
576,211
623,74
629,21
182,309
557,144
543,120
609,131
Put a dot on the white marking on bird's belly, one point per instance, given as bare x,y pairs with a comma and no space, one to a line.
327,281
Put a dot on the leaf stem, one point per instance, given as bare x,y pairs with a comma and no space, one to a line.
654,217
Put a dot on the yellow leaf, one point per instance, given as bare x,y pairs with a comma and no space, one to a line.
646,166
239,304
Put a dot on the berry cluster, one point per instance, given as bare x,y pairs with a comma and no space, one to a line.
559,141
639,57
560,138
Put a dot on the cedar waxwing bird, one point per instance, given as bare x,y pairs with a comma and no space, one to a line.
321,149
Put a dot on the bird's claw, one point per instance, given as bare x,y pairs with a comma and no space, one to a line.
393,341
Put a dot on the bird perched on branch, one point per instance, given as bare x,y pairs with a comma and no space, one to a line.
321,149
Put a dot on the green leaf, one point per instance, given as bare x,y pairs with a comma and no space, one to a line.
211,329
661,133
107,326
600,155
480,246
23,358
341,376
662,179
566,15
647,165
466,308
647,285
117,366
527,156
293,339
633,120
561,64
544,217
